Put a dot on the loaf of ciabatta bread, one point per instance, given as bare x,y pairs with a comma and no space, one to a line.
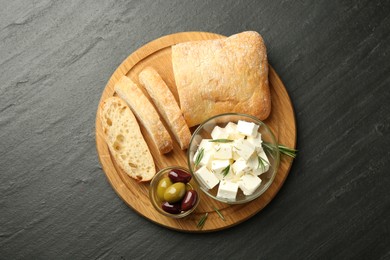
166,105
125,141
221,76
145,113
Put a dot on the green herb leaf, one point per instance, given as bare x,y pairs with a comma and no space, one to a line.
202,221
262,162
199,157
221,141
282,149
287,151
219,214
226,170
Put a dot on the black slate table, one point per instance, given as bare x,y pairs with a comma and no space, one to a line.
55,59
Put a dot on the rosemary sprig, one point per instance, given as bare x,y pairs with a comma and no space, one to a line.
219,213
282,149
262,162
221,141
287,151
199,157
202,221
226,170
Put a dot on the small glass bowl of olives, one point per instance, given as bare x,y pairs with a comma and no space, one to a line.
173,192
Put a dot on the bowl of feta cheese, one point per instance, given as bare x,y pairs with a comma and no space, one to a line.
233,157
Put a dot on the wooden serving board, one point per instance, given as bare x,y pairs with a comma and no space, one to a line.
158,55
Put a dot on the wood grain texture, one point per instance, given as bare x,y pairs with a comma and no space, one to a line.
55,59
157,54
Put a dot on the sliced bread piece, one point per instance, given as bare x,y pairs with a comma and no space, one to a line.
125,141
166,104
145,112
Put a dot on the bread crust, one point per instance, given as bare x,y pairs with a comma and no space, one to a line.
125,141
166,105
223,75
145,113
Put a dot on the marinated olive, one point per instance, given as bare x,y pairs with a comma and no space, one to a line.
162,186
171,208
189,200
175,192
179,176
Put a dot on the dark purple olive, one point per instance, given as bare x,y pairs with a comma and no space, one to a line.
189,200
171,208
179,176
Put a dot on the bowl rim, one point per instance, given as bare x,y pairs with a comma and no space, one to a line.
249,197
153,185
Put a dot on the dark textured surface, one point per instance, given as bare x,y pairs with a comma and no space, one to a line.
55,59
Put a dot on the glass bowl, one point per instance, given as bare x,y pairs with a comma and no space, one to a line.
157,203
204,132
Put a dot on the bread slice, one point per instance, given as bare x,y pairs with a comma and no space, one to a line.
166,105
125,141
223,75
145,112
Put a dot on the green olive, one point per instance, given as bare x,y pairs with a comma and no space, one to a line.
175,192
162,186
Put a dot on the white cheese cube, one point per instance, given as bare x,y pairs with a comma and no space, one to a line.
219,133
223,151
206,145
253,161
249,183
240,167
256,141
244,148
218,165
227,190
264,165
247,128
231,129
206,177
208,151
221,175
206,159
236,156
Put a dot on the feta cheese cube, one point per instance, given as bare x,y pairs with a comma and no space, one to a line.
221,175
236,156
231,129
227,190
264,166
256,141
208,151
219,133
206,159
240,167
247,128
223,151
218,165
244,148
206,145
206,177
253,161
249,183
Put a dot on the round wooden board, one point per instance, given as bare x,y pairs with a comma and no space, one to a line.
158,55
